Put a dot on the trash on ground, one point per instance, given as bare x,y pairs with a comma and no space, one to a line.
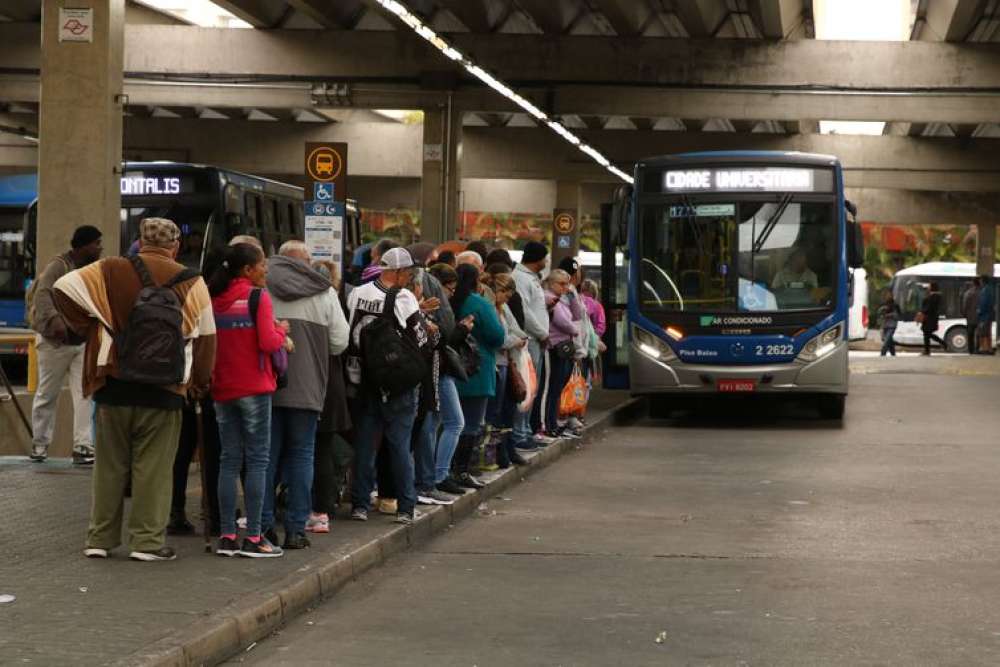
662,637
7,598
83,589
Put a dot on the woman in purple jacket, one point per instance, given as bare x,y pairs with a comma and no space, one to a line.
564,316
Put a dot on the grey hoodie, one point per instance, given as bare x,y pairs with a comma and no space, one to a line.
305,298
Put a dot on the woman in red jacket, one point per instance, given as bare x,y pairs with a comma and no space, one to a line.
241,388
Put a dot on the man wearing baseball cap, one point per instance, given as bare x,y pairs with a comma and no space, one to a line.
59,357
392,415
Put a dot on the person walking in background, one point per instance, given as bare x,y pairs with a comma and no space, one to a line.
987,314
970,310
475,392
888,314
930,314
242,385
59,355
305,298
138,402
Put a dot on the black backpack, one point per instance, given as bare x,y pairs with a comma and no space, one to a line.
392,363
151,347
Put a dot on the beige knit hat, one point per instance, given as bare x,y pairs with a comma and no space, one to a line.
159,232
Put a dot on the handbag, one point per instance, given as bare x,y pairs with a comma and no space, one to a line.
468,351
526,370
565,349
518,389
279,358
451,364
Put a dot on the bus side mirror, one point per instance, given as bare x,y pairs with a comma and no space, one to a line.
855,239
620,210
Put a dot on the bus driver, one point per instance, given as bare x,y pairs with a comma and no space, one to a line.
796,274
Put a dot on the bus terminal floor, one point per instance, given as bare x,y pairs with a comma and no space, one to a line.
768,538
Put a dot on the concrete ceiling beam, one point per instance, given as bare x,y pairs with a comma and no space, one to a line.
627,17
777,19
553,17
258,13
339,15
474,14
951,20
701,18
533,59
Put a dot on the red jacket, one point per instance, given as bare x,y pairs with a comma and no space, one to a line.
243,358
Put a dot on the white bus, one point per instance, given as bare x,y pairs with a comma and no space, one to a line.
910,285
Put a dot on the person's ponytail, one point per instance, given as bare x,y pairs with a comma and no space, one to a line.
234,259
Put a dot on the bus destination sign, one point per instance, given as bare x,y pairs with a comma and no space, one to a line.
145,185
748,179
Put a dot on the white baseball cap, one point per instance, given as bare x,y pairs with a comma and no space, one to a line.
395,259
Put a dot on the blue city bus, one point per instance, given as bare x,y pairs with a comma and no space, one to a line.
209,204
729,275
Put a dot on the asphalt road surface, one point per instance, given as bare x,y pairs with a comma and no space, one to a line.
764,538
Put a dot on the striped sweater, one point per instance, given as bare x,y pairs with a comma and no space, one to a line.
104,292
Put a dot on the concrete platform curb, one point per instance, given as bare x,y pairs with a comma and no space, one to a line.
219,636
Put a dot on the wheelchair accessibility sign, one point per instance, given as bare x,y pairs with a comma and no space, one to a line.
323,191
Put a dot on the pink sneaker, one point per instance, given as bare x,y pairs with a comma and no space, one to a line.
318,523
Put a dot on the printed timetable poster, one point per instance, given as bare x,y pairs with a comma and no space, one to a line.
325,237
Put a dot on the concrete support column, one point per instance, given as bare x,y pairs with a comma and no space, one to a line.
566,221
986,243
80,128
440,190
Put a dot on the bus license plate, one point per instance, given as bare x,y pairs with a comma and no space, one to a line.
737,386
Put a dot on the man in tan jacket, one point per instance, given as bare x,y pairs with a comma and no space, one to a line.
138,424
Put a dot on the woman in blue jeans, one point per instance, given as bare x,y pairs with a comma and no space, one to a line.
476,392
242,385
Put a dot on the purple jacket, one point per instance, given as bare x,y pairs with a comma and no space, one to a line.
596,313
563,320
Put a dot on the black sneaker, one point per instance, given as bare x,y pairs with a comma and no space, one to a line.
271,535
83,458
359,514
297,541
449,485
469,482
227,547
517,459
260,549
179,525
163,553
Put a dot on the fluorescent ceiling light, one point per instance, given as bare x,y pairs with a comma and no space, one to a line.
203,13
412,20
861,20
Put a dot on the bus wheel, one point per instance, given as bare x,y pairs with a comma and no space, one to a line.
832,406
663,406
957,339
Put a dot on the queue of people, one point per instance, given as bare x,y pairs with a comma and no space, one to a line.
411,378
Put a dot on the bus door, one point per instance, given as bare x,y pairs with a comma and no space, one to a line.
614,296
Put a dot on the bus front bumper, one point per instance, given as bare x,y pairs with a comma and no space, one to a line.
826,375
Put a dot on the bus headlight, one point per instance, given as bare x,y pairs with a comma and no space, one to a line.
652,346
821,345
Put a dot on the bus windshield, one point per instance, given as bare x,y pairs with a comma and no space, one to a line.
12,255
192,221
738,256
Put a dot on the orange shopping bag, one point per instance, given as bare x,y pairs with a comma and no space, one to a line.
573,400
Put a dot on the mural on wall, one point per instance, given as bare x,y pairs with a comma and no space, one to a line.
508,230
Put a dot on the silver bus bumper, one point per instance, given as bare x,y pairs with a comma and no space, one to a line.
827,375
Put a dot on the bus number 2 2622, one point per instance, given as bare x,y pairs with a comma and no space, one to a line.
774,350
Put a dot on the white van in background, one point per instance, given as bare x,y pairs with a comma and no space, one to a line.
910,285
857,317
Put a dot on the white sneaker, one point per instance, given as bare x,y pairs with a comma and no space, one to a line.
318,523
95,552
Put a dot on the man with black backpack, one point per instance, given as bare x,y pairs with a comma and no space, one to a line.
385,364
150,339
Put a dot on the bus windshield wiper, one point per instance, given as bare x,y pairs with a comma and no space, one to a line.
772,222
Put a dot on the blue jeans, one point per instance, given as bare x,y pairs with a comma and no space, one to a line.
443,447
293,446
245,435
394,418
474,411
522,420
888,344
